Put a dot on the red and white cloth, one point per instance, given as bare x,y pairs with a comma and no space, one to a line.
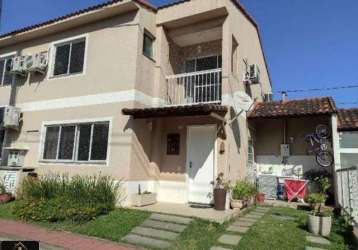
295,189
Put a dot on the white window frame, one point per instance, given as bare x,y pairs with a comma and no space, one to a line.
5,56
196,58
46,124
52,56
153,38
346,150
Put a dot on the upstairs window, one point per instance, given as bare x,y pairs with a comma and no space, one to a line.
83,142
5,66
69,57
148,45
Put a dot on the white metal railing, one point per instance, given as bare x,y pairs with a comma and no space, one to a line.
194,88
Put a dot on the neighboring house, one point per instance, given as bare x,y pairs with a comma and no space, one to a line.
347,161
281,149
138,93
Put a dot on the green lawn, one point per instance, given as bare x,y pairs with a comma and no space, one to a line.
269,233
272,233
113,226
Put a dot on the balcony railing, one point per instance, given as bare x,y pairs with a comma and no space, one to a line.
194,88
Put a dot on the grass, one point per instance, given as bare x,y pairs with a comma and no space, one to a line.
112,226
272,233
269,233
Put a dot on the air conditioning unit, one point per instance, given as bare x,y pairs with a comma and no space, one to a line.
254,73
12,117
37,62
18,66
16,158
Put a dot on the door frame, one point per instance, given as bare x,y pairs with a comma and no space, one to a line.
215,163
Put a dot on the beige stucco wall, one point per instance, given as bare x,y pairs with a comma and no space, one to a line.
269,135
115,63
119,144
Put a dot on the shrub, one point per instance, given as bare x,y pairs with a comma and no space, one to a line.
55,198
243,190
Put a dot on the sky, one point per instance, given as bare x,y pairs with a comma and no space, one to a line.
308,44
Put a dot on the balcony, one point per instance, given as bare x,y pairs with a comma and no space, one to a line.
194,88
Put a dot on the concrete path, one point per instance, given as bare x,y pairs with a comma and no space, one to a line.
158,231
57,239
238,228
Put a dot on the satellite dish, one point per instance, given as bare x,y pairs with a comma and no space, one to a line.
242,102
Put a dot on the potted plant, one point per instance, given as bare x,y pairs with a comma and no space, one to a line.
319,222
4,195
145,198
220,192
242,194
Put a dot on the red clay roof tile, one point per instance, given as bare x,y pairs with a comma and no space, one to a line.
348,119
301,107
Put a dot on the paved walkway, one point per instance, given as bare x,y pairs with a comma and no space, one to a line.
231,238
158,231
59,239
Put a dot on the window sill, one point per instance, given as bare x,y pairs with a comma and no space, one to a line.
56,77
86,163
150,58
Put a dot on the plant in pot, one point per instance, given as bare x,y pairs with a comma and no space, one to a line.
220,192
319,221
4,195
240,192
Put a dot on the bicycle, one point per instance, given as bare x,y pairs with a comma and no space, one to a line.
320,145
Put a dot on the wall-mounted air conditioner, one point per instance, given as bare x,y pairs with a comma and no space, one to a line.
254,73
18,66
12,117
16,158
37,62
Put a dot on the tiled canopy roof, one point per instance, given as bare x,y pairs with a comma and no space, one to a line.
189,110
292,108
348,119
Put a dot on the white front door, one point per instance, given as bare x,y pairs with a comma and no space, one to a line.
200,163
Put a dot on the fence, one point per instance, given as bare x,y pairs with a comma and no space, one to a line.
347,191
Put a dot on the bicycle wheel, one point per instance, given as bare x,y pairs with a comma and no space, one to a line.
324,159
323,131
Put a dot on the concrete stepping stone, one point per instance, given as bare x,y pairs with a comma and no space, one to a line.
155,233
263,208
146,241
237,229
257,213
229,239
313,248
163,225
252,216
171,218
219,248
243,223
318,240
247,219
283,217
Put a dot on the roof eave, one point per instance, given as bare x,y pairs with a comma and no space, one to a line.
73,20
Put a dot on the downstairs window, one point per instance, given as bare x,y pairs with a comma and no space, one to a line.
83,142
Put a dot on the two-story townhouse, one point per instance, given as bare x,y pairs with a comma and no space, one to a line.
146,95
